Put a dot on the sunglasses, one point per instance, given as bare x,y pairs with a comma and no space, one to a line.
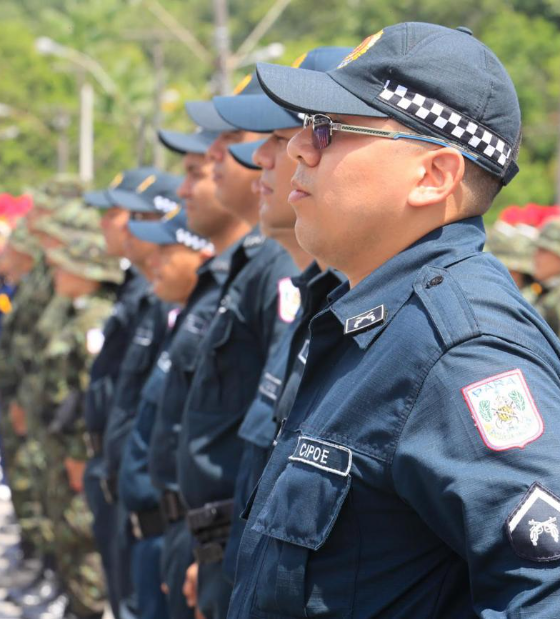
323,126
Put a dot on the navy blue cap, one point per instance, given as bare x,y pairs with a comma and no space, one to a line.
259,113
435,80
243,153
204,113
182,143
169,230
155,193
127,180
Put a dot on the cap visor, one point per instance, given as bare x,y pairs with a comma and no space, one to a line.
154,232
243,153
97,199
183,143
204,114
255,113
127,200
304,90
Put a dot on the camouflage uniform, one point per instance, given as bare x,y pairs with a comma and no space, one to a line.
19,343
62,378
17,350
548,303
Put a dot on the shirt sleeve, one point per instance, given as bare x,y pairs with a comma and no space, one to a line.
479,461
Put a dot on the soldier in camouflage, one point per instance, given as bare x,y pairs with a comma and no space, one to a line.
87,277
547,272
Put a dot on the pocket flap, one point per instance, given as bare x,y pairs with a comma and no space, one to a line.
305,501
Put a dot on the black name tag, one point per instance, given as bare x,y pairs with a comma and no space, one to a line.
323,455
270,386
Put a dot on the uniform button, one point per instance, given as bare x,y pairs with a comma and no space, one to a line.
435,281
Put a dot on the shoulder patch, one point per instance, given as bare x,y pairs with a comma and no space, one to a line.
289,300
94,341
270,386
323,455
365,320
504,411
532,528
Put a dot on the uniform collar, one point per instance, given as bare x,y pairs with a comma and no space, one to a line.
218,266
392,284
315,284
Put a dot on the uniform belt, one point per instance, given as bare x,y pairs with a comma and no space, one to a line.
109,488
94,443
172,508
147,523
211,526
210,516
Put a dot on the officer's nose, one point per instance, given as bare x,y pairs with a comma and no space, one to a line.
263,156
301,149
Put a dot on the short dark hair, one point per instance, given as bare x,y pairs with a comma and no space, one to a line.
482,186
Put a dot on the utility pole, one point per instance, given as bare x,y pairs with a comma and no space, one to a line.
221,34
86,131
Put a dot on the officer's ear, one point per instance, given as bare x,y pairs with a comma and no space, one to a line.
438,175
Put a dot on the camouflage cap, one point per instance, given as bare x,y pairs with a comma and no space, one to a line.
56,192
64,223
513,245
23,241
85,255
549,236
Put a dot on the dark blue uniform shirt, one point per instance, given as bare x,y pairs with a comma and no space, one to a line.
231,359
118,331
417,474
140,356
275,396
135,486
183,353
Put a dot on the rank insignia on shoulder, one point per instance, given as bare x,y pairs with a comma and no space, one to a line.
532,528
323,455
365,320
504,411
289,300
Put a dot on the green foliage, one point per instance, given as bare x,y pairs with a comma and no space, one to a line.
42,91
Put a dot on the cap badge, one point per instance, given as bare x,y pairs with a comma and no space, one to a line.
242,85
364,46
299,60
146,183
116,181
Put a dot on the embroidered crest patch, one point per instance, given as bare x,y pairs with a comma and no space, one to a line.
532,528
504,411
364,46
94,341
289,300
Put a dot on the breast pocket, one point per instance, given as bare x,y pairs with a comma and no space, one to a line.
310,560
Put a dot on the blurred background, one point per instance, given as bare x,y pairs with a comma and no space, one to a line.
84,84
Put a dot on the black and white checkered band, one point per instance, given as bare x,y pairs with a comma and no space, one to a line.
458,127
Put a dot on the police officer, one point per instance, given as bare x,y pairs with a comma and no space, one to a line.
153,196
207,217
180,254
117,334
229,364
398,486
277,219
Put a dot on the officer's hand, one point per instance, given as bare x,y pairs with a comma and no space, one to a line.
17,418
75,470
191,585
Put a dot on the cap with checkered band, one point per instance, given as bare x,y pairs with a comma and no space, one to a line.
434,80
